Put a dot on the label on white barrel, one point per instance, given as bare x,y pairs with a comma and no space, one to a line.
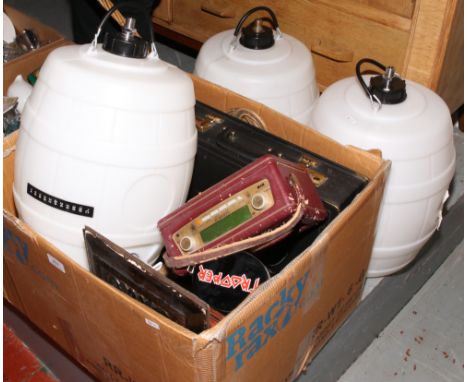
64,205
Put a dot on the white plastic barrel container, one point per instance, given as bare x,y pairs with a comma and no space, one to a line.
412,127
106,141
263,64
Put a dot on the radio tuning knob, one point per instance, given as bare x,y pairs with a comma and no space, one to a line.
186,243
258,201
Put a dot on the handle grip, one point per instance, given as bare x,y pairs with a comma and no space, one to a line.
359,73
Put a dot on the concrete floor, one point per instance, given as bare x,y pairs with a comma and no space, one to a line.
424,342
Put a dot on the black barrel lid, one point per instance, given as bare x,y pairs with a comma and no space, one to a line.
257,35
388,88
126,43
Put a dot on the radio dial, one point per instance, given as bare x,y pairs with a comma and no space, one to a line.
258,201
186,243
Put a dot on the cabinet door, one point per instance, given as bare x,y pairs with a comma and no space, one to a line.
163,11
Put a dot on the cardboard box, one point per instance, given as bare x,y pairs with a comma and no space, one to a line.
31,61
271,336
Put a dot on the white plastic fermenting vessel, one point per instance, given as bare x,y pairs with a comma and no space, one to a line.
106,141
267,66
412,127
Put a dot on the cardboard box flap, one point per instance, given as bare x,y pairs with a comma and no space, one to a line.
9,147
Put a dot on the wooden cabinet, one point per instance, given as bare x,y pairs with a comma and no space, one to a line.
423,39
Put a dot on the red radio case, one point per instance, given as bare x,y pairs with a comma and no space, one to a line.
264,184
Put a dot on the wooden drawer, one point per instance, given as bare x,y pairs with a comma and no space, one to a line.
411,35
201,19
338,38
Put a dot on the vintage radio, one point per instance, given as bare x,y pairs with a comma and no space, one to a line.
135,278
254,207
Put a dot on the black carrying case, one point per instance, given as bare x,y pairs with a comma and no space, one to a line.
226,144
